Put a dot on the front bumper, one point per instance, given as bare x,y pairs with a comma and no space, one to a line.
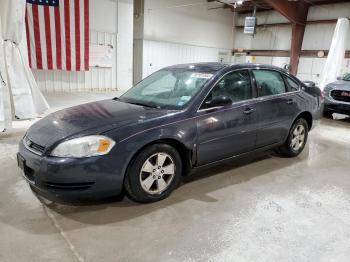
67,178
334,106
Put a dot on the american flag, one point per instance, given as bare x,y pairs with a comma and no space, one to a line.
58,34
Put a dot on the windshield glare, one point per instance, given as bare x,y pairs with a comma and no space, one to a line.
168,88
347,77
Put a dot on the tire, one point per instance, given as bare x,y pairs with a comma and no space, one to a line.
149,170
299,129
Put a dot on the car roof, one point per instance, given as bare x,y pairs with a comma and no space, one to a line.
203,67
215,67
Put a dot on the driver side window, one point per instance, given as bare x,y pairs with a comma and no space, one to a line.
235,86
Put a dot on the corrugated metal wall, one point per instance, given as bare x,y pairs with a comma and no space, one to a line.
311,68
96,79
317,37
267,38
156,55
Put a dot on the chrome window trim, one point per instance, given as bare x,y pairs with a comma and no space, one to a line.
278,95
252,101
259,99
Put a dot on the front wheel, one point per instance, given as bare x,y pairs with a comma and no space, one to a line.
154,173
296,140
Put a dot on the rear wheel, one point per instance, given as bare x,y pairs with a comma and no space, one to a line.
296,140
154,173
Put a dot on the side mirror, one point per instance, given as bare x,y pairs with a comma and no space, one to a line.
219,101
339,78
309,83
312,89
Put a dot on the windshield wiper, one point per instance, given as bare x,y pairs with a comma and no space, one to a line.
143,104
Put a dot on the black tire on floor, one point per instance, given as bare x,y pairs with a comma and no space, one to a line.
287,149
134,175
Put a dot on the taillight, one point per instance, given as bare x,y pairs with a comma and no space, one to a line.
322,94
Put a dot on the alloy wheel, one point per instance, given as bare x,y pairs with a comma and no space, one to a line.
157,173
298,138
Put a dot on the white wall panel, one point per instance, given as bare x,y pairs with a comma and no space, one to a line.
312,68
96,79
108,19
157,55
266,17
188,22
172,32
125,44
275,61
331,11
267,38
317,37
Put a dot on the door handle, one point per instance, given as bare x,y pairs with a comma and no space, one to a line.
290,101
248,111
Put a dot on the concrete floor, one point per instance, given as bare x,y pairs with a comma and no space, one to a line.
263,208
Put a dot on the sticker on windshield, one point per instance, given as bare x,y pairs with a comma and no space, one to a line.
185,98
201,75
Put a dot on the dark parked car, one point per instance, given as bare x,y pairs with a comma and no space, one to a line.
337,97
180,118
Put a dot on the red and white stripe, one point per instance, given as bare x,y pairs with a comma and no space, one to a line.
58,37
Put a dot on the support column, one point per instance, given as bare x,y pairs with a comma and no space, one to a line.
296,45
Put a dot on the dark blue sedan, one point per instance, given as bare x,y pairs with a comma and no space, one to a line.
180,118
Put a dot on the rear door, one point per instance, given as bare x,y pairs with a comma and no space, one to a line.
276,108
231,130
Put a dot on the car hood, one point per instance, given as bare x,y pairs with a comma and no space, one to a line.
91,118
340,85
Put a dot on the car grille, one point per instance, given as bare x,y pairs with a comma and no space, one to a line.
29,174
69,186
340,95
33,147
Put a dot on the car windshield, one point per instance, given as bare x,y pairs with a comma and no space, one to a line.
168,88
347,77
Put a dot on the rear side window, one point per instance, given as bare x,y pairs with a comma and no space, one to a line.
294,86
269,82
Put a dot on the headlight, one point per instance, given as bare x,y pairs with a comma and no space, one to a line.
86,146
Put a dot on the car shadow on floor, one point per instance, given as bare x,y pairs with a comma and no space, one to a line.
198,187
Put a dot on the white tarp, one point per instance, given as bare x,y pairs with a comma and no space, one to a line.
21,95
336,55
5,102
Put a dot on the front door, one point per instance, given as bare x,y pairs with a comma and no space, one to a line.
230,130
